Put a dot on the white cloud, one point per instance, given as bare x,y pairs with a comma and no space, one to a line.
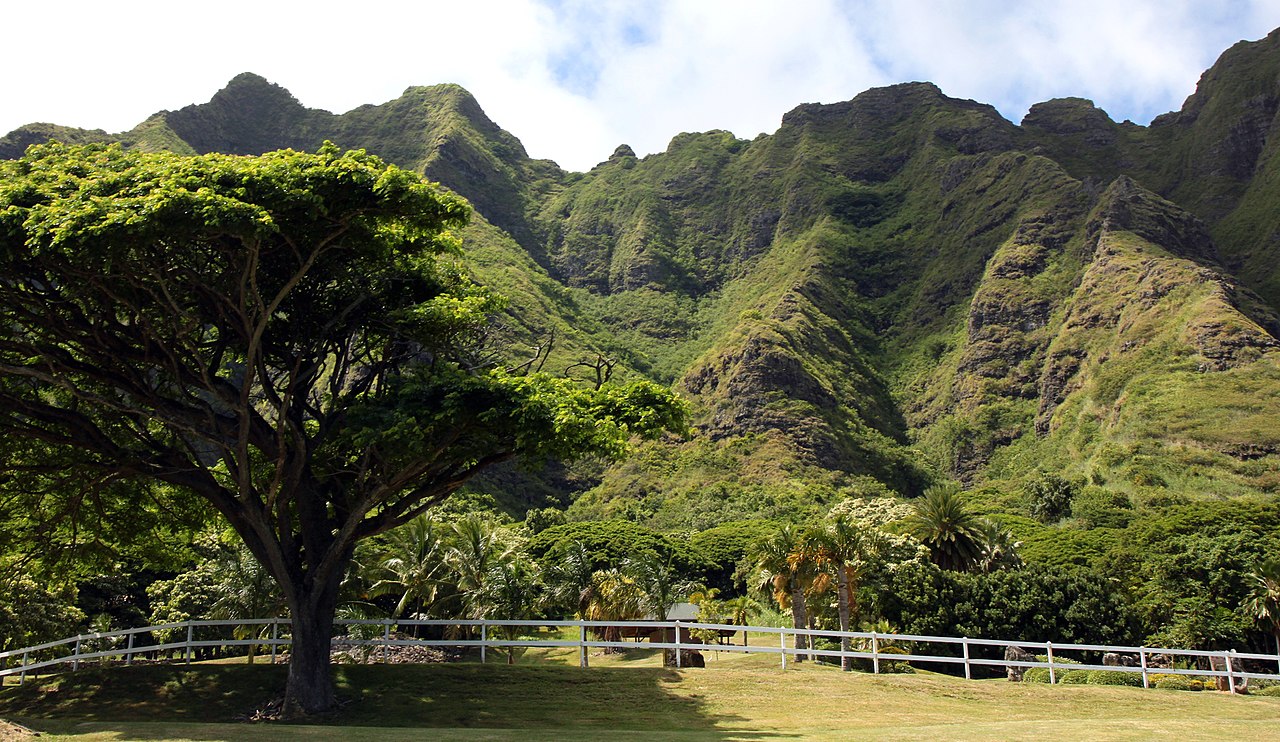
574,78
730,65
1135,58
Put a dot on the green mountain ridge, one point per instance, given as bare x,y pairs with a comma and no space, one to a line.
888,291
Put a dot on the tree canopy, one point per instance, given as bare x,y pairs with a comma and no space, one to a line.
290,337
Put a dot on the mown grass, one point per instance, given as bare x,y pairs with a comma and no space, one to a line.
629,697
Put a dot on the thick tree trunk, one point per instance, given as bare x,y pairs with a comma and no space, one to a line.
842,607
800,620
310,689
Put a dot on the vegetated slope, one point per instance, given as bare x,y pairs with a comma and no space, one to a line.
897,288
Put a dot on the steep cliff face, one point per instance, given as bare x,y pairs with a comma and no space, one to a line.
1152,268
900,287
1216,157
1163,368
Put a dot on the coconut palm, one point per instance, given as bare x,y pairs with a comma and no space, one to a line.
842,550
412,566
945,525
780,574
997,547
658,582
511,591
614,597
474,547
1263,601
741,610
570,579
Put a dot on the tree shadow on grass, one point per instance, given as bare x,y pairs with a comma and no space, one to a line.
195,693
464,701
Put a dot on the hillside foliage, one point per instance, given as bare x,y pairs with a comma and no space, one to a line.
1069,323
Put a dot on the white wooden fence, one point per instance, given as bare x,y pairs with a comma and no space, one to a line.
123,646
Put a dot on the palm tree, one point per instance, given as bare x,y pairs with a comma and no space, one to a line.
412,565
1263,602
780,574
474,547
842,550
614,597
657,581
571,579
511,591
945,525
741,610
997,547
244,589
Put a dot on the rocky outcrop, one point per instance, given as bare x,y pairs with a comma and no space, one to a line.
894,277
247,117
1153,279
1016,654
1072,116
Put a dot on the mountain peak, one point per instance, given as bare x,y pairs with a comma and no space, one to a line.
256,88
1068,116
248,78
250,115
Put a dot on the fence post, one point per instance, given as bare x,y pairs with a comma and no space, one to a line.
484,639
582,645
75,662
875,653
1053,676
190,631
1231,677
128,655
968,673
782,642
386,640
1142,657
275,637
22,679
677,623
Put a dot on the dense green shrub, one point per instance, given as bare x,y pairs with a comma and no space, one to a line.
1099,507
1058,661
1144,476
1273,690
1060,673
1176,682
540,519
892,666
1114,677
32,613
1065,605
1036,675
1050,496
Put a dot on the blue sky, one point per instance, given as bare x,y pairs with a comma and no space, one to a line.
575,78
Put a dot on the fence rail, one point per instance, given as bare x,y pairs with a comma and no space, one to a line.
873,646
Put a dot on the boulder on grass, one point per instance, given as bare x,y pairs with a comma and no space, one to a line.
688,658
1016,654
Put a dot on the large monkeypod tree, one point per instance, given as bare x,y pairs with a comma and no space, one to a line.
290,337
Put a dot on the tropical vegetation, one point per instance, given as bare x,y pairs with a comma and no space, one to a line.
942,372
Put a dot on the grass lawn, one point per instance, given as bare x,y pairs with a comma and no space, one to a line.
628,697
